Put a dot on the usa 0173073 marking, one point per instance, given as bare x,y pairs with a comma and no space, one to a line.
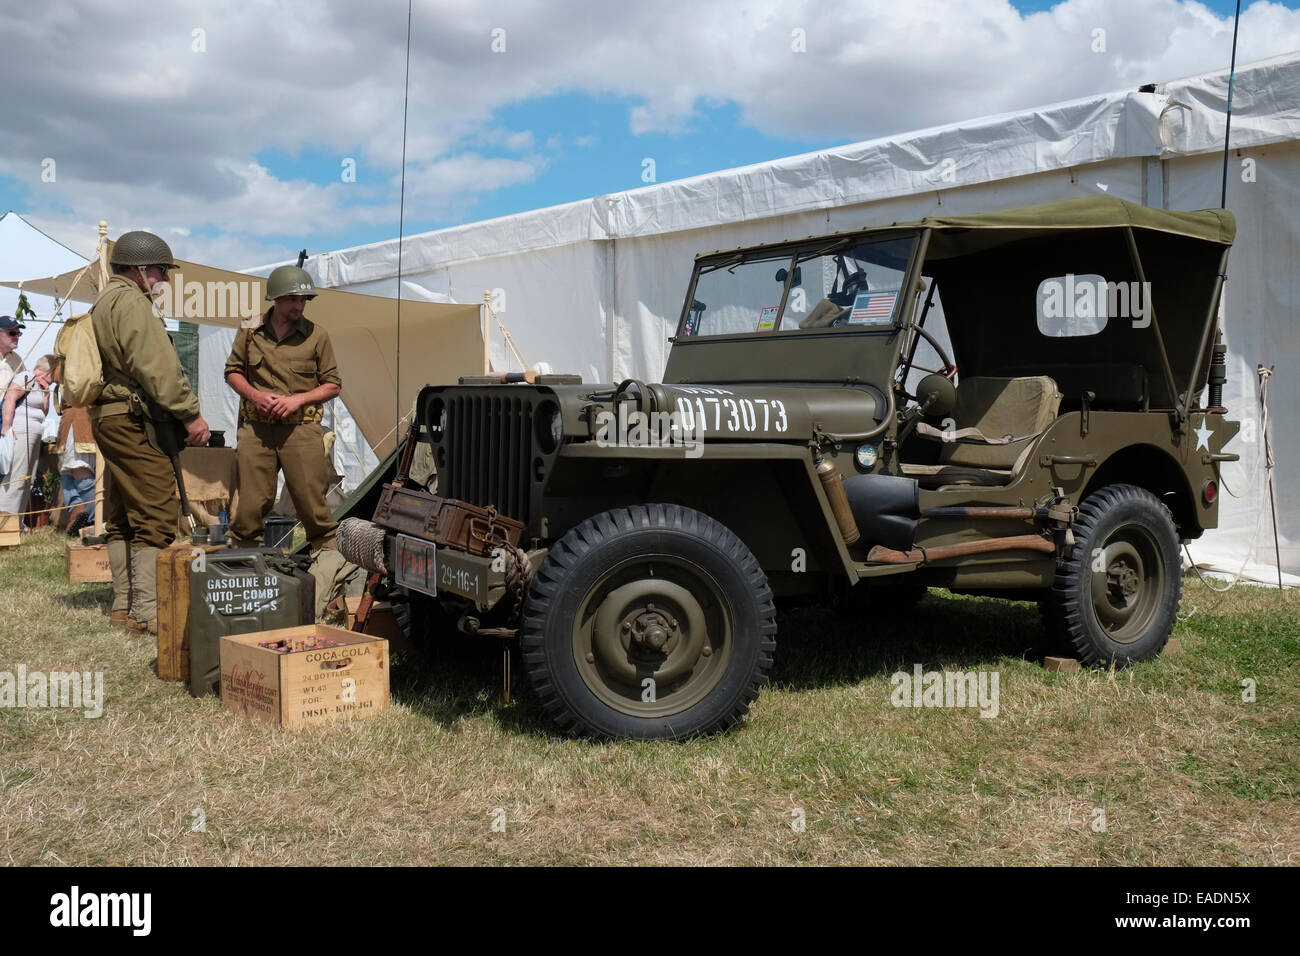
732,414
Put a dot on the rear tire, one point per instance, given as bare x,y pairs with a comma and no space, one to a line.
1116,599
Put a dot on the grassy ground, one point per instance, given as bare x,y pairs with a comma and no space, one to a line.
1184,771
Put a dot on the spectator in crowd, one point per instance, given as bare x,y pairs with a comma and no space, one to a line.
10,362
26,403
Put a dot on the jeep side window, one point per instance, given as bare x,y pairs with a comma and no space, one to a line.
1075,305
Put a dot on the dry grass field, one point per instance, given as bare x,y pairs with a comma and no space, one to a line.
1163,763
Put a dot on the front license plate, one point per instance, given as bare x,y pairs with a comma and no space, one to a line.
417,564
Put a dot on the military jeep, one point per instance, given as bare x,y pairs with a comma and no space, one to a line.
1012,404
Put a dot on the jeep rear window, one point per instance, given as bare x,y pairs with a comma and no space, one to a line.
837,284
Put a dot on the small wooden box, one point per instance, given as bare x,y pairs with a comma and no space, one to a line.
11,531
87,562
305,688
380,623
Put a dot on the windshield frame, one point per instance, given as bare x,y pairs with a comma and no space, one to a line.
794,254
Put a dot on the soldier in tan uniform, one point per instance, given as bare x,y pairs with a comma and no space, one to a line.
284,371
145,409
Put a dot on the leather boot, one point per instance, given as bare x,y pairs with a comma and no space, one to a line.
119,562
144,571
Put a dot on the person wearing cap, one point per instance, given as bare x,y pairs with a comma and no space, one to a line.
10,362
146,409
284,371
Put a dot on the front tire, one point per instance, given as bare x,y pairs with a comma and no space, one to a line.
1116,599
653,621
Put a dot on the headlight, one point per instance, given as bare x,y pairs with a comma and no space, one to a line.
548,426
436,421
866,456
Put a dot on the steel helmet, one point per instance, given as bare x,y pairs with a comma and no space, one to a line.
141,248
289,280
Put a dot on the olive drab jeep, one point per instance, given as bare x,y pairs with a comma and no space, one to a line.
1025,403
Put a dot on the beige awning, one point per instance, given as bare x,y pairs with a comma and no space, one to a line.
439,342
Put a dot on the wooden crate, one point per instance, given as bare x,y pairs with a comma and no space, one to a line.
11,533
87,562
174,607
306,688
380,623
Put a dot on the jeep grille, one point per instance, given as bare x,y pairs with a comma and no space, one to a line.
489,444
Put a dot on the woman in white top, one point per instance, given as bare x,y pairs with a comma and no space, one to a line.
26,402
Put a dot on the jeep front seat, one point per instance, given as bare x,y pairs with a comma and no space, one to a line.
997,421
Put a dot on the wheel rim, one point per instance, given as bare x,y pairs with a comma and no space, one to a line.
1128,583
657,617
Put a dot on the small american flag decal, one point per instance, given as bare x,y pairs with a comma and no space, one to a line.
873,308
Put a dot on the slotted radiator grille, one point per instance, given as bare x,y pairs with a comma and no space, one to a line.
489,452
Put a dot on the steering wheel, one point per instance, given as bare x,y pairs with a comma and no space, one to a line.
948,370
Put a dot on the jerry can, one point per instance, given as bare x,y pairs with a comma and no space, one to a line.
241,591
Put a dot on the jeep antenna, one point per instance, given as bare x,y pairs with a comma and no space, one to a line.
401,221
1227,129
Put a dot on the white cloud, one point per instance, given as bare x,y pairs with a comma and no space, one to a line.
145,129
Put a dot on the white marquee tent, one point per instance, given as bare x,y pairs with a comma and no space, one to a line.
596,286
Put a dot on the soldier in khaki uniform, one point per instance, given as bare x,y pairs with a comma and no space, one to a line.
145,407
284,371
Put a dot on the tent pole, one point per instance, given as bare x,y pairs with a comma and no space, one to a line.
487,332
101,250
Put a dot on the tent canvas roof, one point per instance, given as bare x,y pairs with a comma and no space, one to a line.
439,342
1084,212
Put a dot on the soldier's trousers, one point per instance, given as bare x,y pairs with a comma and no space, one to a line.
142,506
264,449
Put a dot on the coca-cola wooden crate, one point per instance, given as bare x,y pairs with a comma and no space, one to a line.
345,675
452,523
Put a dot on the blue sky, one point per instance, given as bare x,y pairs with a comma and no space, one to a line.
236,151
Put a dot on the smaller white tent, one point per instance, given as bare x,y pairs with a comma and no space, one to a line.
25,251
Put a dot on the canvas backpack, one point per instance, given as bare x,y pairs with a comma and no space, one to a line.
82,376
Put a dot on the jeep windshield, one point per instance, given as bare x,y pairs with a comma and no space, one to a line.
834,283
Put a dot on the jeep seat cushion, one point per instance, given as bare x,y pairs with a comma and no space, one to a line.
939,476
1022,407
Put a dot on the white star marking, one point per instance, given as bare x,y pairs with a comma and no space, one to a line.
1203,437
